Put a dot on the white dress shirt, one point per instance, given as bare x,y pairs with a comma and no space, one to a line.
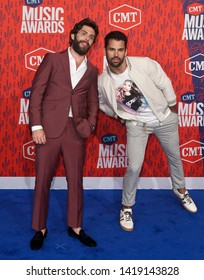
76,73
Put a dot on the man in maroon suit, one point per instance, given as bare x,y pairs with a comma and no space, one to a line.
63,111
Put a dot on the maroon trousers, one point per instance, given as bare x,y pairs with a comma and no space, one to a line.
72,148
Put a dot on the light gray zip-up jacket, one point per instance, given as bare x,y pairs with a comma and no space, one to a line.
150,79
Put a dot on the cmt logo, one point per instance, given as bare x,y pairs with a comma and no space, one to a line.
192,151
33,3
195,9
125,17
188,97
26,93
109,139
34,58
29,150
195,65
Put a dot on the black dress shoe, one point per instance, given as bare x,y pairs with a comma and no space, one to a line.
38,240
82,237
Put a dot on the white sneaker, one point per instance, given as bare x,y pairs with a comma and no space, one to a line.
126,222
186,200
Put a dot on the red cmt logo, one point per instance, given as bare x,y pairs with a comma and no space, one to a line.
192,151
29,150
34,58
195,9
125,17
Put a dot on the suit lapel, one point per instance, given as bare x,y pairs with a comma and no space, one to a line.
87,75
65,62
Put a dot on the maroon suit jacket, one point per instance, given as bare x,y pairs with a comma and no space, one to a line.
52,95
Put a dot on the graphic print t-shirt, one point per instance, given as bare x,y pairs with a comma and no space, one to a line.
131,99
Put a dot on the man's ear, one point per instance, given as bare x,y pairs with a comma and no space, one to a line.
72,36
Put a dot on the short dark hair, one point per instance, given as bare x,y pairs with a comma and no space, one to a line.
116,35
78,26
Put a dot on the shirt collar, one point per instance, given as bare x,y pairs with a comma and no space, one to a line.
73,62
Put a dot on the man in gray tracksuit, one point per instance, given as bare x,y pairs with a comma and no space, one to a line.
137,90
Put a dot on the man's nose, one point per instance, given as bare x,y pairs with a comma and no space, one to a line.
87,38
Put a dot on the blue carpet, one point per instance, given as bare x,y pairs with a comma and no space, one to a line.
164,230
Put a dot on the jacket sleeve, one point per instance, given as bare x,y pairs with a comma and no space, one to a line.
39,84
86,125
161,81
93,102
103,102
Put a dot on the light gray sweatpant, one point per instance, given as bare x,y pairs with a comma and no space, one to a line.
137,137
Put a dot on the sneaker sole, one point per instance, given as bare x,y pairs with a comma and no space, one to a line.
126,229
189,209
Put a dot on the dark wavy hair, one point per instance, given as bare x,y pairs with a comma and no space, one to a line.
78,26
116,35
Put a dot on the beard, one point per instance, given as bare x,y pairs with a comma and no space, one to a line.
117,63
78,49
